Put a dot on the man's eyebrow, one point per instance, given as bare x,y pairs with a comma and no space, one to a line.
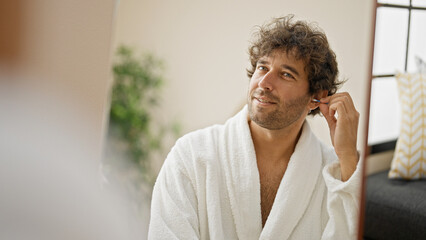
262,62
292,69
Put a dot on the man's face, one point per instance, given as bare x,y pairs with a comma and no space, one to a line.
278,94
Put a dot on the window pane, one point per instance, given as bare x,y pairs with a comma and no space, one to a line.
419,3
417,45
398,2
385,111
390,40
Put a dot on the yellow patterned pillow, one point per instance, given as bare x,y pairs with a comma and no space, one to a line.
409,161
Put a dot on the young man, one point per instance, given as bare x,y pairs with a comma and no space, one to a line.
263,174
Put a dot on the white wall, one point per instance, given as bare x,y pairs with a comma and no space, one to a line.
204,44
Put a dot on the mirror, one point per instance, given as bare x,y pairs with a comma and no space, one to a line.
204,47
395,186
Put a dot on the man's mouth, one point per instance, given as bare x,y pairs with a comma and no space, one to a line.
264,100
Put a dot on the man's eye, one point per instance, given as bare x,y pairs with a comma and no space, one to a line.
287,75
261,68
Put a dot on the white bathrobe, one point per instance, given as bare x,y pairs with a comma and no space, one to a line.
209,188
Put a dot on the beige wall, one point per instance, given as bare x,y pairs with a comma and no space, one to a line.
204,44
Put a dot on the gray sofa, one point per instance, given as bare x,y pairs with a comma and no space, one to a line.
395,209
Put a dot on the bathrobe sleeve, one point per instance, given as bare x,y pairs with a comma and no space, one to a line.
343,202
174,202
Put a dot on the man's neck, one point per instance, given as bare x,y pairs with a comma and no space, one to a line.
275,146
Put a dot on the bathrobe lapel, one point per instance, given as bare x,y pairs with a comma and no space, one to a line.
296,187
242,177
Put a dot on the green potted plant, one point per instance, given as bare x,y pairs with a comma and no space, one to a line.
135,95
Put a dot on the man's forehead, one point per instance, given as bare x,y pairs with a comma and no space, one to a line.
291,55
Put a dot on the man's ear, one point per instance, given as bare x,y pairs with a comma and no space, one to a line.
318,96
322,94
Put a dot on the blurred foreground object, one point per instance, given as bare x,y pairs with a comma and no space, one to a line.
49,198
54,76
50,187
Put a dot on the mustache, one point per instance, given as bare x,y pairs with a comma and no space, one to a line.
262,93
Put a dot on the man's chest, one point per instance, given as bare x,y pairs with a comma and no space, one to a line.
270,180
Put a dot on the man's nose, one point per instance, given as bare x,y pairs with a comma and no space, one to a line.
267,81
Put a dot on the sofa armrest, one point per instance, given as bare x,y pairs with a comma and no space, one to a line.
379,162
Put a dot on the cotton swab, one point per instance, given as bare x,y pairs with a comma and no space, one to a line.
318,101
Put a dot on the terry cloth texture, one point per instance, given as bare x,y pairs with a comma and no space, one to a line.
208,188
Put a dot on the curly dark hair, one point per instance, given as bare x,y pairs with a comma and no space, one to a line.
304,41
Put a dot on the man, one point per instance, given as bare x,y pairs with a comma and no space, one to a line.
263,174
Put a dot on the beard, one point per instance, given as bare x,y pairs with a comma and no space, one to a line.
282,116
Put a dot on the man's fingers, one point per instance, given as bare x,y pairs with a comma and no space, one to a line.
339,107
341,103
341,97
331,120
